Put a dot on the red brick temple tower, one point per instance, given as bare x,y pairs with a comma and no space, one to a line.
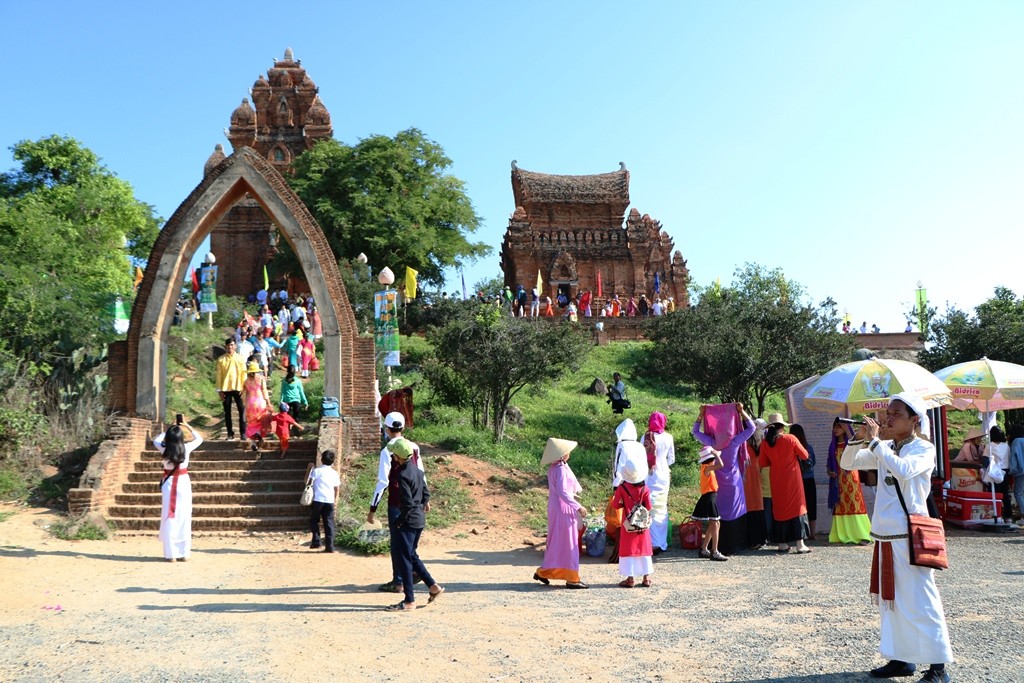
572,227
286,118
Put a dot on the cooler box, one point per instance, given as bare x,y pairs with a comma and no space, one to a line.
965,479
971,506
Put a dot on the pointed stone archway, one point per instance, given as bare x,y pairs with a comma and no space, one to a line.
138,365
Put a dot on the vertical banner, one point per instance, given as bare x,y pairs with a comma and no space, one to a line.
385,326
922,310
410,283
208,289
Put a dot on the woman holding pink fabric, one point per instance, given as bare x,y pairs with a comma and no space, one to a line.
728,433
661,454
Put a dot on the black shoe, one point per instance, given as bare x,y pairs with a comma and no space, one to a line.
328,550
935,676
656,551
538,577
314,546
577,585
894,669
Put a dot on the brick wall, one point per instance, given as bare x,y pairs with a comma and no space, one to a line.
108,469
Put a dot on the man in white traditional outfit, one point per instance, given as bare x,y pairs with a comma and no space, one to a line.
913,622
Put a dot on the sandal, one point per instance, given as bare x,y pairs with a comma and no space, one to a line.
435,594
646,583
627,583
400,607
391,587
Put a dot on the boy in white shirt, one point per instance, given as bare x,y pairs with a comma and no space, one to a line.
326,486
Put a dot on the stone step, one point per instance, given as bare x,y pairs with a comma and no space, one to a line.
269,451
151,525
224,511
206,499
263,464
294,445
227,486
245,475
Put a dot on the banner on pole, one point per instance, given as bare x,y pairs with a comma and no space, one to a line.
385,326
208,289
922,309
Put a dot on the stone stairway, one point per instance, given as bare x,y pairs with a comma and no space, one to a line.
233,489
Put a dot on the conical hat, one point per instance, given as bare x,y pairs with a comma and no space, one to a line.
556,449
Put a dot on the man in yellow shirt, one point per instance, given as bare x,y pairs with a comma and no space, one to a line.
230,377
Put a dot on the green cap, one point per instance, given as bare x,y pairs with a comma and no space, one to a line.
403,448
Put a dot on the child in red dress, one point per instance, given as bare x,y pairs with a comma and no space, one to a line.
634,548
283,422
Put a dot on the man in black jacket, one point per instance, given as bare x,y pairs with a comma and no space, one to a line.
414,498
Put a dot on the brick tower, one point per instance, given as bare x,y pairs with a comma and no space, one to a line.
574,229
285,119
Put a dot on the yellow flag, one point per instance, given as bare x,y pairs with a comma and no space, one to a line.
266,279
410,283
540,283
138,277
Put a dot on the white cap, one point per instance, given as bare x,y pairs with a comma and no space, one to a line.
394,420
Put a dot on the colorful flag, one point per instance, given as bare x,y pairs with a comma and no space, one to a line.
540,284
266,279
410,283
464,297
657,283
138,277
195,283
599,284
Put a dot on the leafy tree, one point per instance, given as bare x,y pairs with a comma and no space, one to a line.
65,225
745,342
996,330
491,357
391,199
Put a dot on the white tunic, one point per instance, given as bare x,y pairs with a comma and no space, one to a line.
176,532
658,482
914,629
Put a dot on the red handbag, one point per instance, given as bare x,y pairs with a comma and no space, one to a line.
927,538
691,534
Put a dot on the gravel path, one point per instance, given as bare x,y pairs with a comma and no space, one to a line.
266,608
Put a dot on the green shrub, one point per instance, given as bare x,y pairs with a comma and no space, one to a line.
88,528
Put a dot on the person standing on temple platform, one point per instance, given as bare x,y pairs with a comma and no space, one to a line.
616,306
521,301
585,300
643,307
534,303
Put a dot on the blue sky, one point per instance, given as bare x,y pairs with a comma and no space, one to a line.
859,146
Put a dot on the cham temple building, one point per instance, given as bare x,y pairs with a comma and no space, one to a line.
573,229
285,119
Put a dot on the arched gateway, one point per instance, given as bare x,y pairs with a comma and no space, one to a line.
138,365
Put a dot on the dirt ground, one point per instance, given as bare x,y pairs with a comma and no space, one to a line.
266,608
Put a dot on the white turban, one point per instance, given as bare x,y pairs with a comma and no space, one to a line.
626,431
917,405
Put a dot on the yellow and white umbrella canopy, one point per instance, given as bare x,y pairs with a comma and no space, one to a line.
987,385
865,386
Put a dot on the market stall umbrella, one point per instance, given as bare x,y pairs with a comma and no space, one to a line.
986,385
865,386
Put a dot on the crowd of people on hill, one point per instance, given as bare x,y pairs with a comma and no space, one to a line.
522,304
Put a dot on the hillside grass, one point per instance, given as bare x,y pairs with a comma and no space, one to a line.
565,410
